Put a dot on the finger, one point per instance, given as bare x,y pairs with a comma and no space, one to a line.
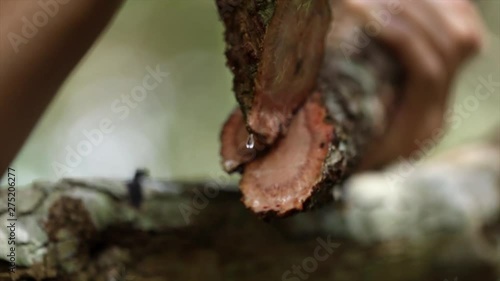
423,64
463,24
424,98
425,17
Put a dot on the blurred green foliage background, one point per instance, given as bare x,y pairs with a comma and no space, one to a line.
174,131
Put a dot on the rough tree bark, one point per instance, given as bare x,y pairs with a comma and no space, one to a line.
304,97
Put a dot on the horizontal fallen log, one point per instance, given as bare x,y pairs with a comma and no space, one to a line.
308,105
441,221
275,50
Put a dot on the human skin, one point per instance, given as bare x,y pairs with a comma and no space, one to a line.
31,73
431,39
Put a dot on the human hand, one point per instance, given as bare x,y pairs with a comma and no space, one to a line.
431,39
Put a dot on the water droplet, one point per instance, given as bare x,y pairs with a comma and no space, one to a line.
250,142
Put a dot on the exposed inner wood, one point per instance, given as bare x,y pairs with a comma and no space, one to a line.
275,50
284,178
234,136
354,97
292,53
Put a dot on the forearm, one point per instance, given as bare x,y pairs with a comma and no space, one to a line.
34,64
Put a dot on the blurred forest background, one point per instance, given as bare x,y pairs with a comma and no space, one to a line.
174,131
